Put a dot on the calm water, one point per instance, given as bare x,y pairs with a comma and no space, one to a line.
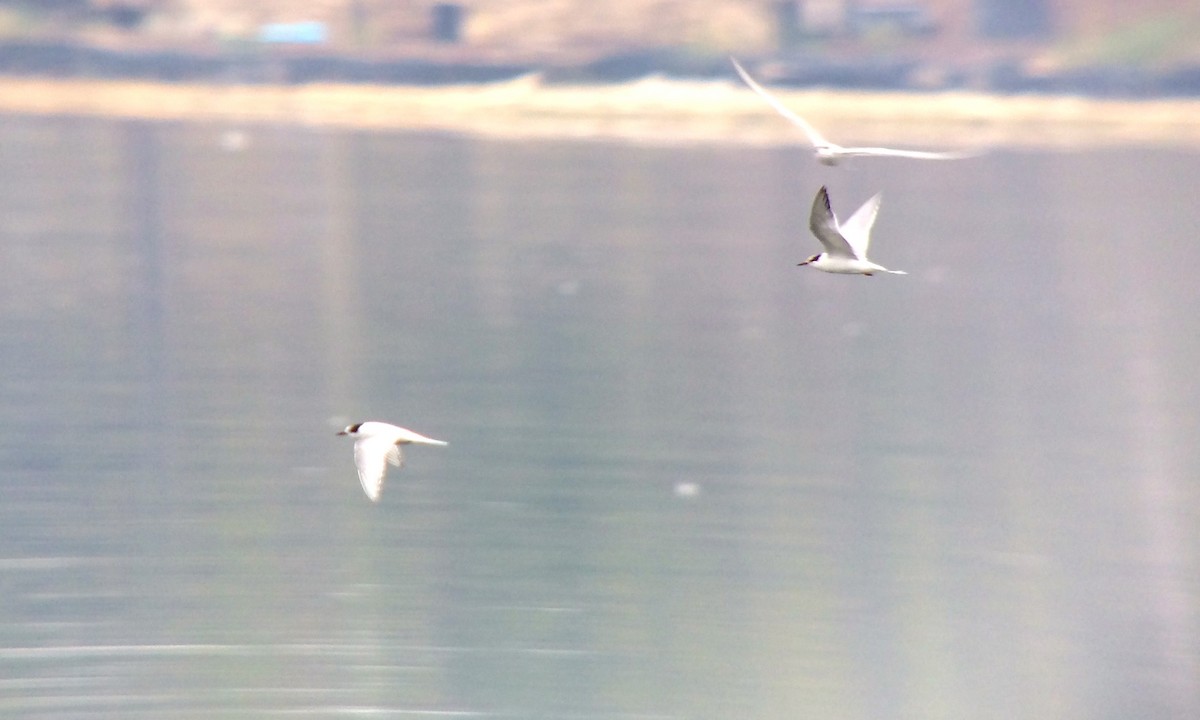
686,478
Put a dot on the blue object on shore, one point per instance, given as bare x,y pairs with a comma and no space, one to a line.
298,33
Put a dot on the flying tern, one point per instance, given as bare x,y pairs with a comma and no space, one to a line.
829,153
845,243
375,445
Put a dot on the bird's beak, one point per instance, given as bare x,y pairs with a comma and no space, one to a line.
342,432
803,263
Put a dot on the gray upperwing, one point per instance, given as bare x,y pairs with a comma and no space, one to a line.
824,225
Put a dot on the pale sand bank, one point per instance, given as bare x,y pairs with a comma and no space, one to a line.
650,110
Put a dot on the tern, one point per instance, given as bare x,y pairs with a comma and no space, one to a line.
375,445
845,243
828,153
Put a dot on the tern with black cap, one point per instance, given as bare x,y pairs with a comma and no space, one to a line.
376,444
845,243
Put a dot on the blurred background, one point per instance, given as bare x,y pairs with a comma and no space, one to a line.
1100,46
686,478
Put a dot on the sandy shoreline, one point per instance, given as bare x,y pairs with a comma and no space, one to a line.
651,110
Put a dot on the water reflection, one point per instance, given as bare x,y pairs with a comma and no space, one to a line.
965,492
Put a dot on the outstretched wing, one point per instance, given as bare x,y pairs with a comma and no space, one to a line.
824,225
857,230
918,154
814,137
371,456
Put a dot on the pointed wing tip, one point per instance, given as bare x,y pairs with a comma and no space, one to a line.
741,71
824,225
372,490
823,197
821,201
